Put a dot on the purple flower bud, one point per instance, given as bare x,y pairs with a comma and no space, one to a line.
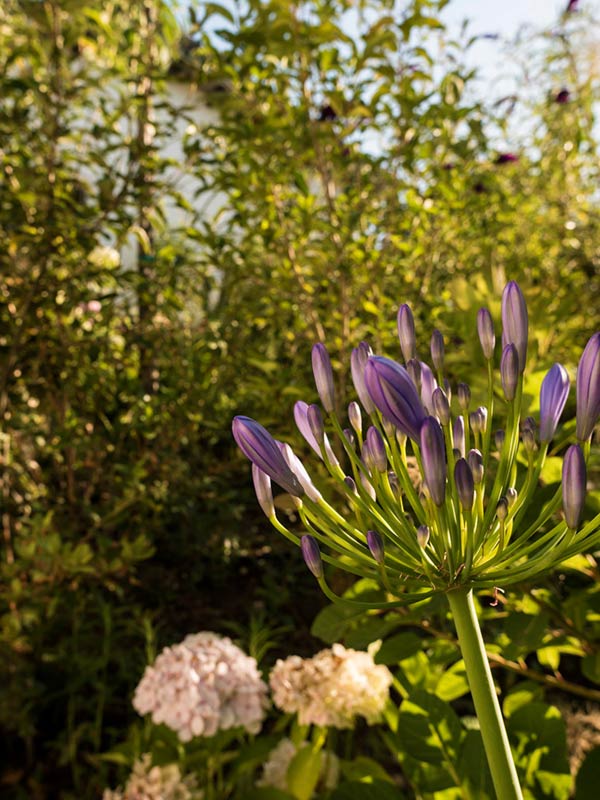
506,158
511,496
441,406
553,396
459,435
588,389
422,536
312,555
351,484
303,425
574,479
299,471
562,97
464,396
529,423
509,371
262,487
367,486
358,362
261,449
465,486
394,394
499,438
502,508
413,367
448,389
406,332
437,350
321,366
475,461
428,387
433,455
355,416
485,329
315,422
528,437
515,322
394,485
375,543
478,420
376,449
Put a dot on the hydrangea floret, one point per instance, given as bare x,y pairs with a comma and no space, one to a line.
465,524
203,685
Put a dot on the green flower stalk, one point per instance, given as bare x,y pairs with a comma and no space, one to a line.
460,527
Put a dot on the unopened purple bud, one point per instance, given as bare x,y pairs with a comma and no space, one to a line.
475,461
448,389
528,437
458,434
302,423
502,508
299,471
515,322
355,416
464,396
376,449
499,438
530,424
394,394
261,449
375,543
574,479
312,555
509,371
315,422
428,387
485,329
465,485
553,396
367,486
437,350
394,485
434,459
358,362
422,536
511,496
588,389
350,437
406,332
351,484
478,420
262,487
413,367
441,406
323,373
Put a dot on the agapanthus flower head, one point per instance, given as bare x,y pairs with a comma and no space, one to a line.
203,685
429,501
588,389
332,688
553,396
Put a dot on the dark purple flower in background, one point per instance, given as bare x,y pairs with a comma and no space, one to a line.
375,543
321,365
327,113
509,371
588,389
574,480
395,395
312,555
358,362
257,444
553,396
506,158
515,322
562,97
485,329
406,332
433,453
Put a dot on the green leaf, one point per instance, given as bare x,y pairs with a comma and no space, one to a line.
453,683
590,666
359,790
398,647
588,777
303,772
429,729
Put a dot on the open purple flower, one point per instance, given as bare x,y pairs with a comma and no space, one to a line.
553,396
257,444
515,325
433,453
588,389
395,395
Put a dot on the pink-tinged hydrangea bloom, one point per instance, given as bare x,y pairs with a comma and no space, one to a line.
156,783
332,688
278,762
203,685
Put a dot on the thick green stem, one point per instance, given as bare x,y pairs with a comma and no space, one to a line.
487,707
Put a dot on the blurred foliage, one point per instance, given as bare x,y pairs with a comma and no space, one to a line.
355,167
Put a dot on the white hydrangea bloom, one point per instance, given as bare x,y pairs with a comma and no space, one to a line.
203,685
331,688
277,764
156,783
